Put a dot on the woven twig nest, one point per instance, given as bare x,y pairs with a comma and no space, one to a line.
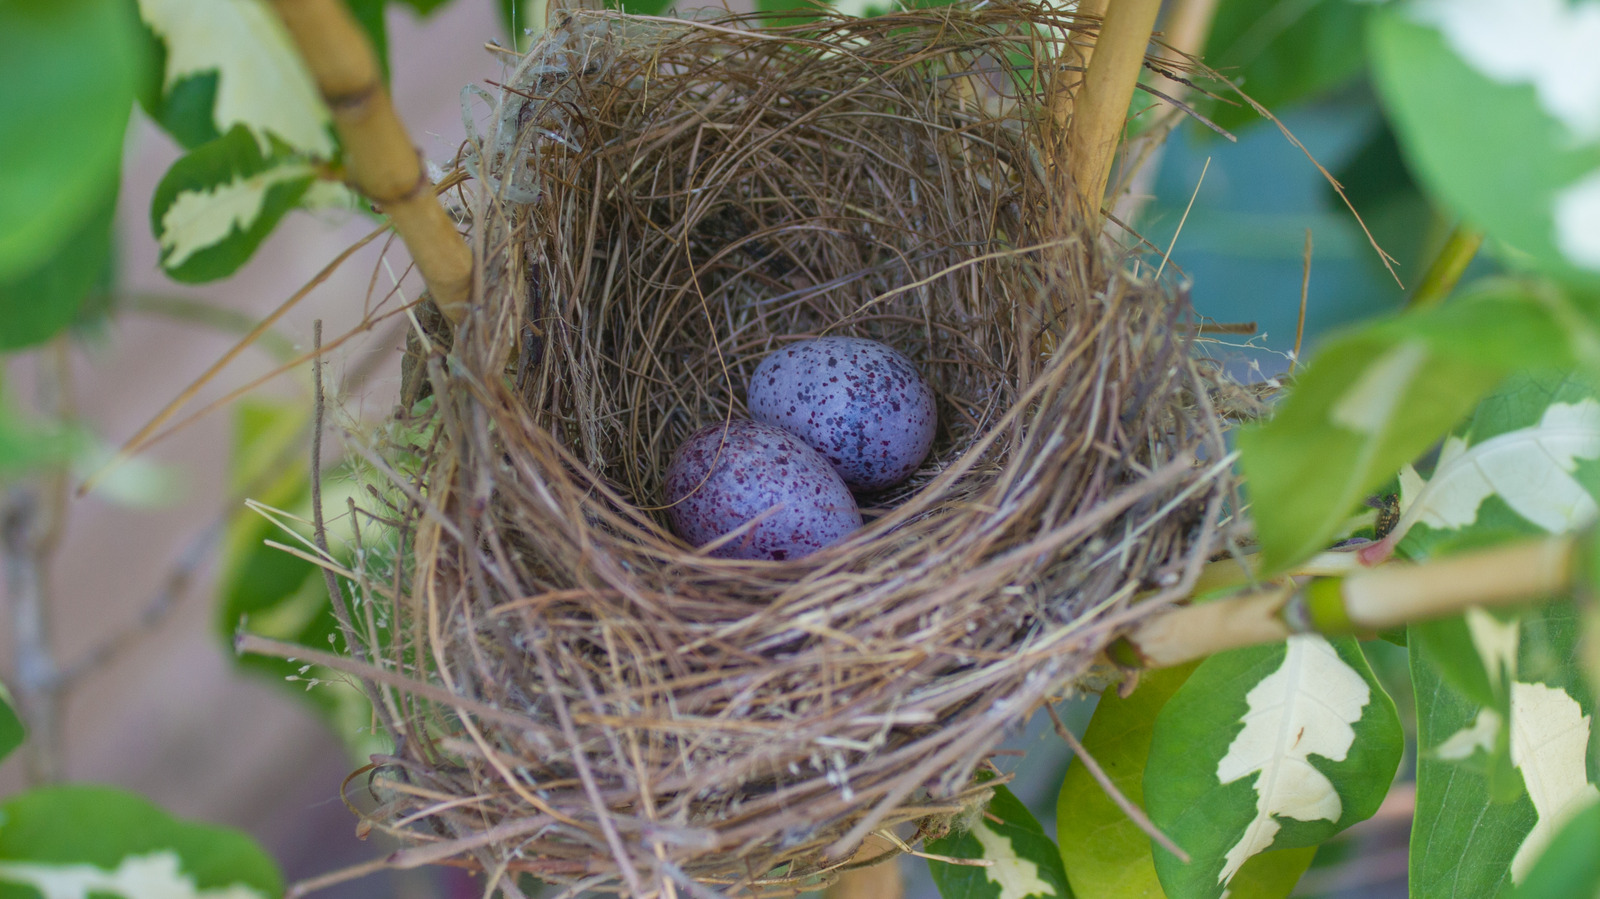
663,203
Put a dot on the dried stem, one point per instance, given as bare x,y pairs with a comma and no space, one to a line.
1392,594
1102,104
1134,812
381,159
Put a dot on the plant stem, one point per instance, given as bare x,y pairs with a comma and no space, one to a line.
1454,257
1371,600
1101,106
35,676
379,155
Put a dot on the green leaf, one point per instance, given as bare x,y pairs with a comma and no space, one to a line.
1025,861
1470,94
217,204
1375,399
1105,853
84,842
1570,866
12,733
27,445
69,67
39,303
237,54
1283,51
1494,787
1269,747
423,7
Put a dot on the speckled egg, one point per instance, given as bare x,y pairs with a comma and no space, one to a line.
757,468
861,404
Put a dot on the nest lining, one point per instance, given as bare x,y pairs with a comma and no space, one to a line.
662,204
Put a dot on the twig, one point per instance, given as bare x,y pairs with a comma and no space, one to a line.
35,677
1392,594
379,155
1454,257
142,438
1134,812
1102,104
190,310
155,610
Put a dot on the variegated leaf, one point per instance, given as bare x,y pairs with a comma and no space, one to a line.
80,842
1270,747
1017,860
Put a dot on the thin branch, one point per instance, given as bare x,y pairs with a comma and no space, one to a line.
382,161
155,610
1133,811
35,677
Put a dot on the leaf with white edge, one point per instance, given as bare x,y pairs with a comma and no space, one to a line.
1269,747
1472,836
82,842
1549,743
1530,469
217,204
1375,399
12,733
1023,863
1569,867
259,80
1445,67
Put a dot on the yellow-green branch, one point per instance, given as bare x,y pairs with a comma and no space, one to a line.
383,163
1371,600
1101,105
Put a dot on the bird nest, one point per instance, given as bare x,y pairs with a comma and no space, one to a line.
657,205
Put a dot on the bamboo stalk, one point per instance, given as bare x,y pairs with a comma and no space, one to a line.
1101,106
1068,77
383,163
1185,29
1371,600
